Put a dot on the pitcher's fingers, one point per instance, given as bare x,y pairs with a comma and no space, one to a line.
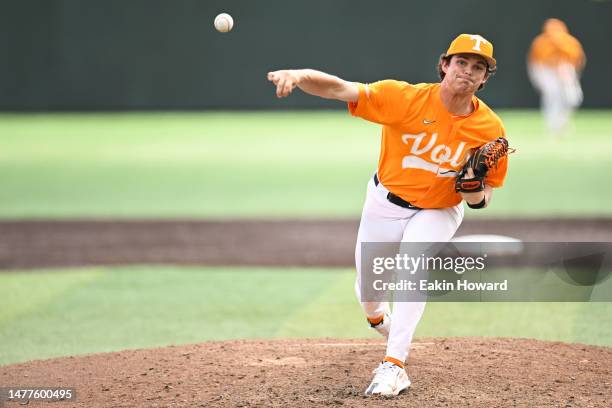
273,76
289,85
279,87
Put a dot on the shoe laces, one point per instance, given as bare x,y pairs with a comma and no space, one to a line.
384,371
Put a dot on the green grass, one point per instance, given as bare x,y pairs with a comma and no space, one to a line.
263,164
69,312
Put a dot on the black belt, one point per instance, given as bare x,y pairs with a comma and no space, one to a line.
396,199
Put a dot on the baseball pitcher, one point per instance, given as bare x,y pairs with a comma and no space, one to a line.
441,145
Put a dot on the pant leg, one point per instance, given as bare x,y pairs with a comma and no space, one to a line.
552,96
381,221
572,91
572,96
437,225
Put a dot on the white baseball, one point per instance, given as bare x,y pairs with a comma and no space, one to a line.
224,23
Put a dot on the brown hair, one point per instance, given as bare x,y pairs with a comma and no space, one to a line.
447,58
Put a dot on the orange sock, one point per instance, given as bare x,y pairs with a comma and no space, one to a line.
376,320
394,361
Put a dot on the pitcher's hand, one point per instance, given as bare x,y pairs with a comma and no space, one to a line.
285,80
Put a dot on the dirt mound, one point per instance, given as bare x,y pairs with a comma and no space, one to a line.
473,372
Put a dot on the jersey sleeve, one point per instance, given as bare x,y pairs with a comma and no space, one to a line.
382,102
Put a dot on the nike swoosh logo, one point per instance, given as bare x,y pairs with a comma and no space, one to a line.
428,122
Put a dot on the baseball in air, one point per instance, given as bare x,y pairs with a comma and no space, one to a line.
224,23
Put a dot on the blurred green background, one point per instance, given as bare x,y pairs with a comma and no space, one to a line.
299,164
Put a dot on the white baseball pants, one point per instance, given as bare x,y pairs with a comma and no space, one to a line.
560,93
383,221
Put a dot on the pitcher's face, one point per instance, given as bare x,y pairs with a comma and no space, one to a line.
465,73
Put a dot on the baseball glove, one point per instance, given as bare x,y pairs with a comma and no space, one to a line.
483,159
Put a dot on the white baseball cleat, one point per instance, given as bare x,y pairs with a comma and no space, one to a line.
384,326
389,380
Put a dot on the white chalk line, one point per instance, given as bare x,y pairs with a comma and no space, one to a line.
413,345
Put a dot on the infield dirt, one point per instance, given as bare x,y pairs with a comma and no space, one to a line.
39,244
460,372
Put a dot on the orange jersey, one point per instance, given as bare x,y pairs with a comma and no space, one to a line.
555,48
422,143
